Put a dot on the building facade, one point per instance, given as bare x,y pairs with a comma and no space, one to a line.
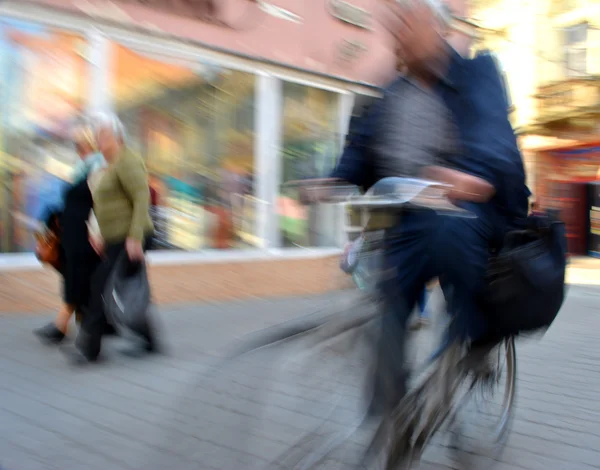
226,101
549,51
224,109
567,102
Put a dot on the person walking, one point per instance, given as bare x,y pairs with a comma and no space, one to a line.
121,224
78,259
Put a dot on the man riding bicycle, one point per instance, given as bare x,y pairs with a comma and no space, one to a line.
487,179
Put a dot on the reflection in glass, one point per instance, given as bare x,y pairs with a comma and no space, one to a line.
194,125
43,81
310,150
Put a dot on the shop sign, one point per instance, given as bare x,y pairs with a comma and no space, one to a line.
349,13
575,164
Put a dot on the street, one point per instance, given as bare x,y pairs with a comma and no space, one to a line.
132,414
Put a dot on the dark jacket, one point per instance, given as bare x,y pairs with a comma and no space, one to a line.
474,92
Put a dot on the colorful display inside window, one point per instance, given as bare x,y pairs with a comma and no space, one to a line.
192,122
43,85
194,126
310,148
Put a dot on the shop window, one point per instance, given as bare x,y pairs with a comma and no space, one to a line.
44,81
195,131
310,148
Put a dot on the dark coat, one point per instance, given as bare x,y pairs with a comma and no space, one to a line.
80,259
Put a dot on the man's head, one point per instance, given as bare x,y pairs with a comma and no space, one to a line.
419,28
109,133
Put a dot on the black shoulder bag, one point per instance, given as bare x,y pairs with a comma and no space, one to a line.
525,280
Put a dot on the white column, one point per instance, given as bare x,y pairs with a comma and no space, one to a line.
100,73
345,107
267,168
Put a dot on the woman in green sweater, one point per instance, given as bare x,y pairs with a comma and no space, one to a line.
121,222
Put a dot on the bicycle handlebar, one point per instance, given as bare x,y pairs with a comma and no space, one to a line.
387,193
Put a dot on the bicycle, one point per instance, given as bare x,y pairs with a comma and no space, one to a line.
396,440
422,412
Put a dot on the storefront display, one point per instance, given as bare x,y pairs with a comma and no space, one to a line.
192,121
194,127
43,89
310,150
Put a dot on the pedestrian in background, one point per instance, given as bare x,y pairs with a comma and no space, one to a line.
122,224
78,259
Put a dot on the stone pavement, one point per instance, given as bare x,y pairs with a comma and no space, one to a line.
128,414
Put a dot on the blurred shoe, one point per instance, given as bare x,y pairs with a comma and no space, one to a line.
144,345
50,334
85,350
75,356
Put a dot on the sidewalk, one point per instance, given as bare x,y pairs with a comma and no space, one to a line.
584,270
39,290
122,414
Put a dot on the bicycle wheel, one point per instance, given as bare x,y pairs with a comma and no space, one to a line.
482,419
290,401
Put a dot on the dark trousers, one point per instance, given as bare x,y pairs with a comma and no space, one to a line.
425,246
94,324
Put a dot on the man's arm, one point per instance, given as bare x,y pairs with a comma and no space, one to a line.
354,166
493,151
490,152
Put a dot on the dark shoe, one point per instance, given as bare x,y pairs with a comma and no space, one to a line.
75,356
50,334
85,350
148,335
141,347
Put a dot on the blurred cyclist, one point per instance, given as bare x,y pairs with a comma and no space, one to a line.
487,177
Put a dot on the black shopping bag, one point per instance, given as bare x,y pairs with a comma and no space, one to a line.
127,295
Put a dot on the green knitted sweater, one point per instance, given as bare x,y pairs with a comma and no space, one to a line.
122,200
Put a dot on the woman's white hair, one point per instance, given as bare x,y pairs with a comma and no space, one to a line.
103,120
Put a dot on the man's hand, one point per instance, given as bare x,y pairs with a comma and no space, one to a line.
465,187
134,248
315,190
